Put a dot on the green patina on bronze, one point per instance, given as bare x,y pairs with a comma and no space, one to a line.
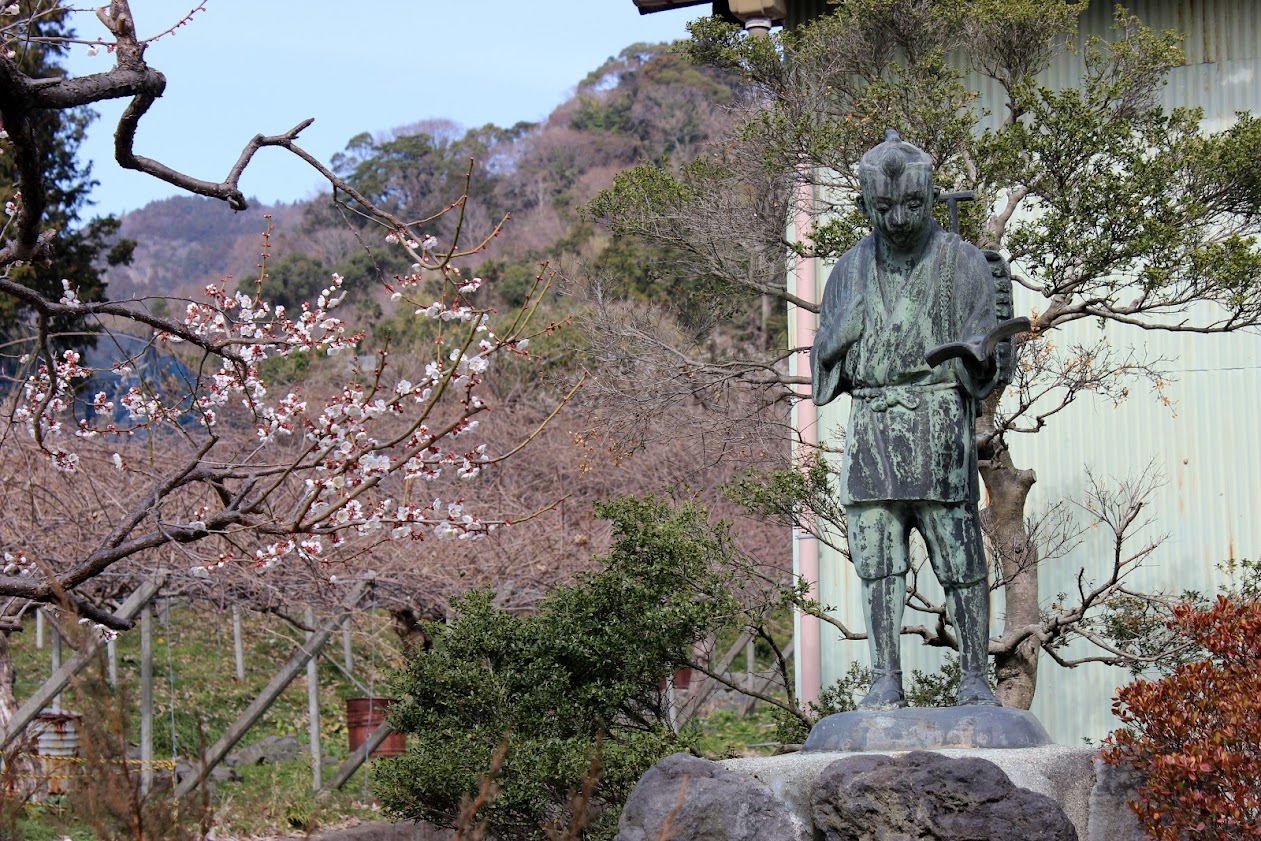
908,291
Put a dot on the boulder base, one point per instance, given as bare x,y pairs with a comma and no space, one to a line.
930,797
685,797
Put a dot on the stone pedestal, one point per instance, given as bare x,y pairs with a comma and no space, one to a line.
687,795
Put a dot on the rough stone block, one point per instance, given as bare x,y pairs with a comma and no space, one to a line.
1111,818
683,797
770,798
928,796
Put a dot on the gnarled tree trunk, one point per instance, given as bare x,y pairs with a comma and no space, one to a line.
1004,520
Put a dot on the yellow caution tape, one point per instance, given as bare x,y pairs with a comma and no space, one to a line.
46,761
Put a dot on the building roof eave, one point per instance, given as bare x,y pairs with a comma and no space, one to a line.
647,7
718,8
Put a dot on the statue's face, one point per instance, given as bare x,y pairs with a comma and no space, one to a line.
900,207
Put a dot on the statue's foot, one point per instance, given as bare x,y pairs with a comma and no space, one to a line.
885,693
974,691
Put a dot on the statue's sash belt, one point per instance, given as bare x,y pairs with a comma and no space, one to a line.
881,398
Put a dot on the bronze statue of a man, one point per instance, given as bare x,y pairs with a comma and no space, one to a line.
910,454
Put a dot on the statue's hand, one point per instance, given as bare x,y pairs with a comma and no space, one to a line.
979,369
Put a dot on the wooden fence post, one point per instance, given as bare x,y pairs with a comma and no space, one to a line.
54,660
238,643
347,769
146,699
313,707
348,654
750,664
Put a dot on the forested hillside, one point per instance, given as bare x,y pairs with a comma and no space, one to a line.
644,105
186,241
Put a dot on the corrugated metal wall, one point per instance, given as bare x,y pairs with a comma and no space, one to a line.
1205,444
1205,447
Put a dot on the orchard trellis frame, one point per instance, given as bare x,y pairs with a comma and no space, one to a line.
303,658
305,655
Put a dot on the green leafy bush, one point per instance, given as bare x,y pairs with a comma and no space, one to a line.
571,690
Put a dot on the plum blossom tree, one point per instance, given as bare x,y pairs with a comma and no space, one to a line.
203,465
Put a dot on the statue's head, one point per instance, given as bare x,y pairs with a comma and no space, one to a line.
897,182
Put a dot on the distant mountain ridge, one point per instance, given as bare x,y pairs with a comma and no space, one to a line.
185,242
646,104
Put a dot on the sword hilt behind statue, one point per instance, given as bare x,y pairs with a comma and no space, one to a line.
952,202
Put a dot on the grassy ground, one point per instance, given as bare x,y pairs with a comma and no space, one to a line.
728,734
197,696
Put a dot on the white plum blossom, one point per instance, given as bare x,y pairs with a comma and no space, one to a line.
445,530
64,461
103,633
70,295
374,464
17,562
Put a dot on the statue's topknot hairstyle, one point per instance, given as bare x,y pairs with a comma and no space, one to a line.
893,157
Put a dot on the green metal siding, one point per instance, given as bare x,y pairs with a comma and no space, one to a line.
801,11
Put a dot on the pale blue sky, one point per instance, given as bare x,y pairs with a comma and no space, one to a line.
248,66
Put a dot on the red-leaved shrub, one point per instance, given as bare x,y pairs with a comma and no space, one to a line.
1195,735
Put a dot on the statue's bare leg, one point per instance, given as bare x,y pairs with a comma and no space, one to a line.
969,611
884,601
952,535
878,548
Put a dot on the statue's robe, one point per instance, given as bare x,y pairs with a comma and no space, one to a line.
911,427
